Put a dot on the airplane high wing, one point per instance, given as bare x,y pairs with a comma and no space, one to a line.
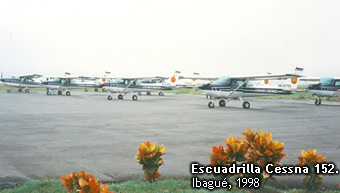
326,87
22,82
232,87
65,83
133,85
94,80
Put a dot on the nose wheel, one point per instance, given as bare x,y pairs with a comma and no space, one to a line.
318,101
134,97
211,104
222,103
246,105
120,97
109,97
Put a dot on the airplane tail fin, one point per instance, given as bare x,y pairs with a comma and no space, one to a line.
292,82
173,79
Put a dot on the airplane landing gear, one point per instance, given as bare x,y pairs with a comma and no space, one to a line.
148,93
27,90
161,94
95,89
139,93
211,104
86,90
318,101
68,93
109,97
246,105
222,103
120,97
134,97
20,89
8,90
60,92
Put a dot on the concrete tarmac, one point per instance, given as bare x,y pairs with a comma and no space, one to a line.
49,136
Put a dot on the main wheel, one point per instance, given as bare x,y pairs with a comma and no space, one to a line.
120,97
95,89
222,103
211,104
318,102
134,97
139,93
27,90
8,90
161,94
109,97
86,90
20,89
148,93
60,92
246,105
68,93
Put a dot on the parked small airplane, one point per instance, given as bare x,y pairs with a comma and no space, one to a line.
236,87
22,82
65,83
327,87
193,81
95,80
133,85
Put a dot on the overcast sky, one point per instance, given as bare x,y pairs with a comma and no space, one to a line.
242,37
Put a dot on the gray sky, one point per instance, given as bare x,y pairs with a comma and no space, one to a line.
129,37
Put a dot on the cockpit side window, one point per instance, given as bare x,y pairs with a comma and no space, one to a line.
223,80
236,82
326,81
337,83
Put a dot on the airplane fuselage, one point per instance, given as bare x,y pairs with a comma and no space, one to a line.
122,88
324,90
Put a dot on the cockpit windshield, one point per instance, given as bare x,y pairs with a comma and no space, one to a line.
223,80
119,81
326,81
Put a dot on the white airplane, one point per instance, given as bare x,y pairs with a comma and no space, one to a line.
95,80
327,87
22,82
193,81
236,87
132,85
64,84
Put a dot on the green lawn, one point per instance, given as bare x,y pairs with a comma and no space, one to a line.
171,185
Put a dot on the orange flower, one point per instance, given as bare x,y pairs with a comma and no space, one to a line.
235,150
262,149
310,158
150,157
218,157
105,189
67,182
84,183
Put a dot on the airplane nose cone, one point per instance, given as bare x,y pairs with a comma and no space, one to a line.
204,86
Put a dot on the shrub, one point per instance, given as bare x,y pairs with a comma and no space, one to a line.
309,158
83,183
262,150
150,157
